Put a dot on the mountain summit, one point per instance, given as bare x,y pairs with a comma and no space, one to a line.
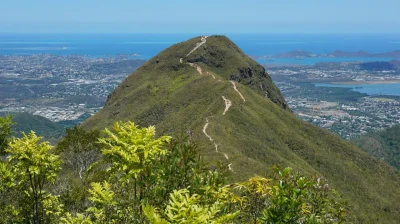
207,87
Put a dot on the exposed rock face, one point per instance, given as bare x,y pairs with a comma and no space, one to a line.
259,80
222,54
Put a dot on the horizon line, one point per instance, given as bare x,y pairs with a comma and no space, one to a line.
199,33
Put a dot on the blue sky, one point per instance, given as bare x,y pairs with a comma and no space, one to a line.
189,16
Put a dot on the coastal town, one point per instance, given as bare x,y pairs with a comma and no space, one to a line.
60,87
348,118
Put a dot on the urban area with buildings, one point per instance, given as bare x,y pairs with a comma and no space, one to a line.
347,118
60,87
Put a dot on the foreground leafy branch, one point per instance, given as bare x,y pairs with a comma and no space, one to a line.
5,132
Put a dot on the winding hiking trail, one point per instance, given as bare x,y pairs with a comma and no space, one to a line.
226,156
209,137
230,167
228,104
215,144
205,132
234,87
203,41
211,75
198,68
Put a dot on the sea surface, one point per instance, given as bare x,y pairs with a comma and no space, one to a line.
392,89
148,45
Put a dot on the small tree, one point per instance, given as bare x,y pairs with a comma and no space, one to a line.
5,131
288,198
104,209
133,156
9,211
184,207
35,167
254,195
79,149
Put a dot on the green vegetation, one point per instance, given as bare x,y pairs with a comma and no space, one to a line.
384,145
26,122
26,171
137,186
293,199
78,150
49,130
5,131
254,134
33,167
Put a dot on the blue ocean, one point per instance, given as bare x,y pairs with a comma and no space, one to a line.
148,45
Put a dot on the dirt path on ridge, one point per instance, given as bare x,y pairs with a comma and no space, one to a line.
215,144
203,40
228,104
234,87
198,68
205,132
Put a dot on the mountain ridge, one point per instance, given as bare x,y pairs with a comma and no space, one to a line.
228,105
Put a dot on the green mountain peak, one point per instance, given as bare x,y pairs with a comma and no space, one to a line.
227,103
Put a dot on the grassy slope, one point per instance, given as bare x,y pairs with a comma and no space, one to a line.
254,134
384,145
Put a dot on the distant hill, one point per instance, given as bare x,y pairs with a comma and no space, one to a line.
391,54
384,145
49,130
349,54
227,103
395,63
294,54
378,66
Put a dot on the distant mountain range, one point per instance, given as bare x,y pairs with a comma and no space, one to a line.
337,53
